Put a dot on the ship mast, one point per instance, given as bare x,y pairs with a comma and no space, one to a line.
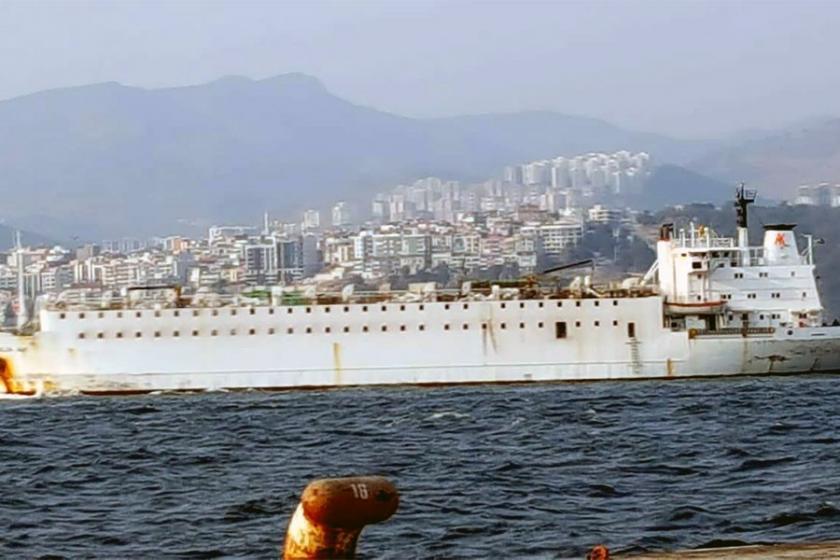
743,198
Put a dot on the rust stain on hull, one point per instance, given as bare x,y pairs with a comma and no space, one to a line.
336,355
12,385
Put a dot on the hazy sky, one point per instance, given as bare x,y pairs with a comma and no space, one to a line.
680,67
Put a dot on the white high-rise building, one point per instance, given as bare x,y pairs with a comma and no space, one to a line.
340,215
311,220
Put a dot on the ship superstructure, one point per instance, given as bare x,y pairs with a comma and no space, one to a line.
709,306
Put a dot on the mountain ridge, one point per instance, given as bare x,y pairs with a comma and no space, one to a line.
129,160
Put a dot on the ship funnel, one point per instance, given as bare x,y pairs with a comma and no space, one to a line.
780,244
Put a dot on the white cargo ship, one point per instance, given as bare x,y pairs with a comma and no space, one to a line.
710,306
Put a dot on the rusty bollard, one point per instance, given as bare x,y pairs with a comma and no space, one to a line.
332,513
600,552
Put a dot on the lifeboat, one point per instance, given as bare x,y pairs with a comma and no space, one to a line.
694,307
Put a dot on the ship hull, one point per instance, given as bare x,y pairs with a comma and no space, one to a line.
394,344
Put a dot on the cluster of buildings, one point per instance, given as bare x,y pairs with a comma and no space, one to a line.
284,253
527,219
823,194
555,185
590,174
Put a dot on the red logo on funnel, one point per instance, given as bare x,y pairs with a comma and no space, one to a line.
780,240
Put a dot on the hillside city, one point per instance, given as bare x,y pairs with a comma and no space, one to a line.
534,216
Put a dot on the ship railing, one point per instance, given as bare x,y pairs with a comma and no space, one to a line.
302,297
705,243
731,331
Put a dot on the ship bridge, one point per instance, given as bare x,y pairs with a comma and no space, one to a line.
711,282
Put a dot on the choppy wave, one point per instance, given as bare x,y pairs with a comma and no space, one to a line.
515,471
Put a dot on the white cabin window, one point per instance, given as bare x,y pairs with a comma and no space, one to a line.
119,335
577,323
421,327
346,329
